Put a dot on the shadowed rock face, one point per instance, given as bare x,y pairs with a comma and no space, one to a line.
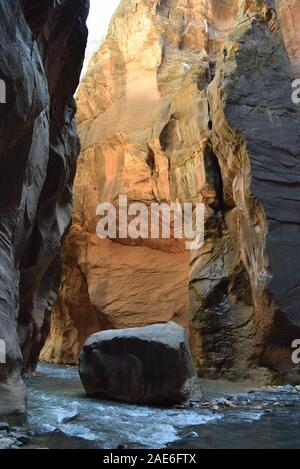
245,294
191,101
41,54
149,365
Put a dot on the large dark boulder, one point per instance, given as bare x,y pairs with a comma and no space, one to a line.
150,365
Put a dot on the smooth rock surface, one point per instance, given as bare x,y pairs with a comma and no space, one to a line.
149,365
191,101
41,55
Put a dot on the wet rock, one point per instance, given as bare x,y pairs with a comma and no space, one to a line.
24,439
215,407
13,440
18,443
6,443
230,404
289,404
226,403
122,446
70,418
149,365
4,427
189,435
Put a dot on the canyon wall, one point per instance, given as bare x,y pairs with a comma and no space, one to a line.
190,101
41,55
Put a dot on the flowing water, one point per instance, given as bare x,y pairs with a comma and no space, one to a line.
60,415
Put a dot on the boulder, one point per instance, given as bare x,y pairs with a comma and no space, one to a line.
144,365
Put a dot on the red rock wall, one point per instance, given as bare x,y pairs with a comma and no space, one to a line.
191,101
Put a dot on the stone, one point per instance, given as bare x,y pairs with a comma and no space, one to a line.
6,443
24,439
70,418
230,404
122,446
190,100
147,365
289,17
189,435
41,55
4,426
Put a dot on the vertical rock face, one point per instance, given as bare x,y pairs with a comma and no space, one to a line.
289,17
41,54
244,300
247,314
191,101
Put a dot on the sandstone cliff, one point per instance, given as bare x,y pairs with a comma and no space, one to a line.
41,54
191,101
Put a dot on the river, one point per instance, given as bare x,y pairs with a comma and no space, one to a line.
60,415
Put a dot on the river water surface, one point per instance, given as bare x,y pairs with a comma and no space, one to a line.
60,415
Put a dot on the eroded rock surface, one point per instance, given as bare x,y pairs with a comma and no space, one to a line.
41,54
145,365
191,101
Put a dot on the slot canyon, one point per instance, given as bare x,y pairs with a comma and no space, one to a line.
162,119
184,102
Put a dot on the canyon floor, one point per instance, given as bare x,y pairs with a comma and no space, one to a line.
232,416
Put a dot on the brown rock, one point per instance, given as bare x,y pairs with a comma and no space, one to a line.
245,296
191,101
289,18
136,140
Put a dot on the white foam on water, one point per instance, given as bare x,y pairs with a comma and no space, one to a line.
152,437
80,431
163,428
184,419
110,423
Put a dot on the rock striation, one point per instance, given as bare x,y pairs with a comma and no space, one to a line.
41,55
143,365
190,101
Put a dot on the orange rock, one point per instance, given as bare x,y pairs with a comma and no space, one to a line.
289,18
158,122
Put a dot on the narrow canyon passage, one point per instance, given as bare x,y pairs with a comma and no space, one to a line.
149,223
190,102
